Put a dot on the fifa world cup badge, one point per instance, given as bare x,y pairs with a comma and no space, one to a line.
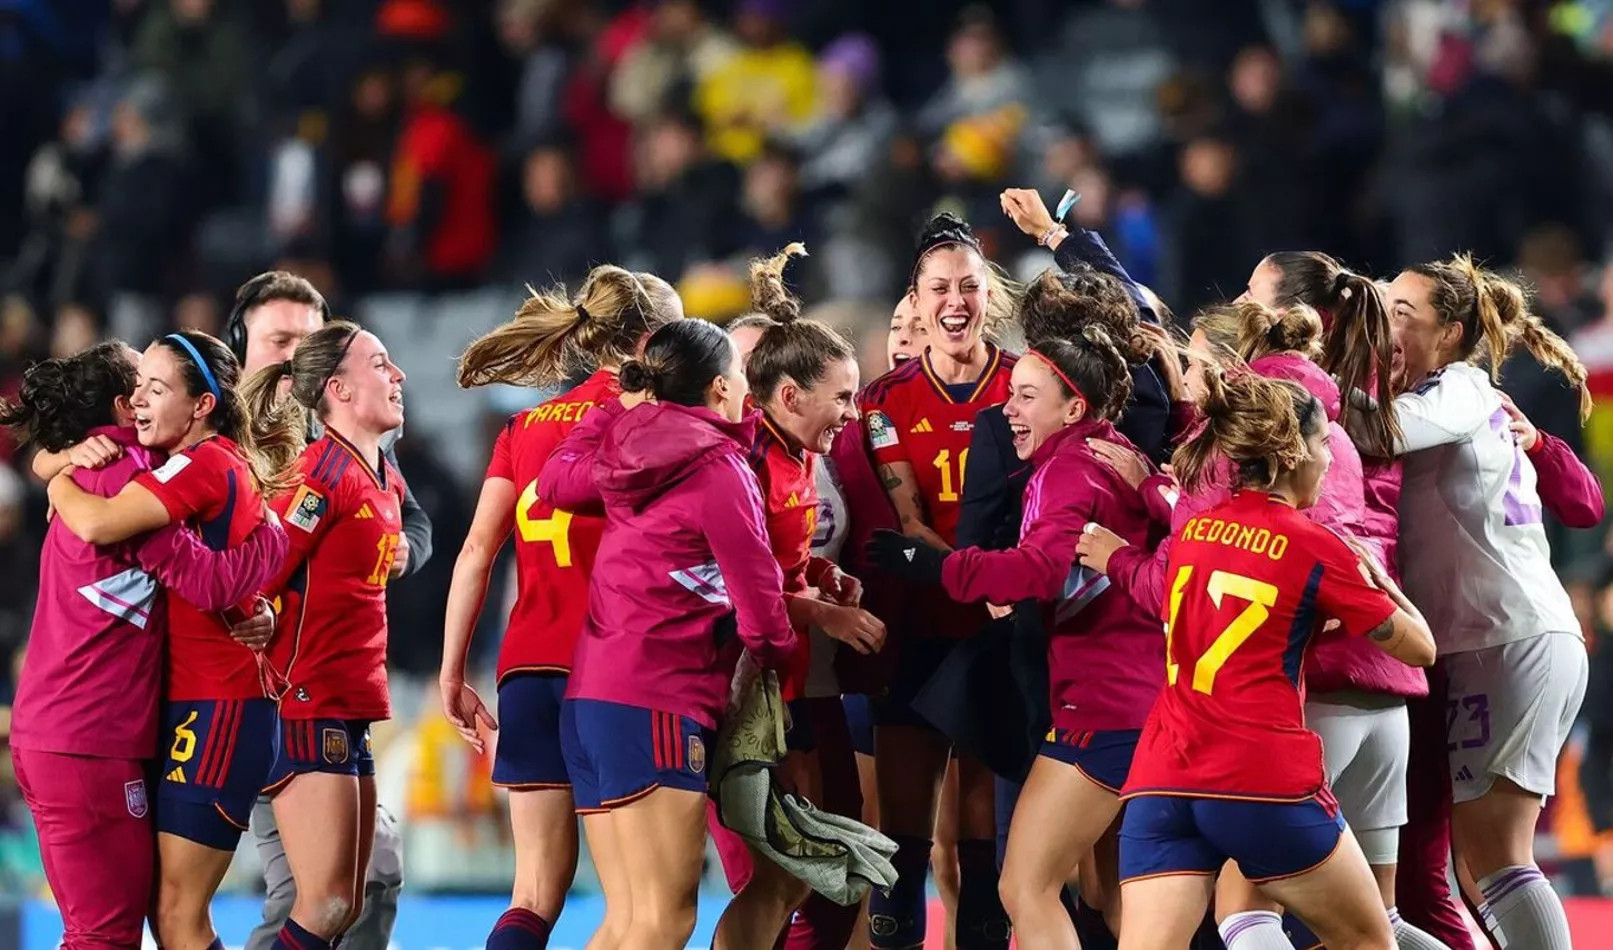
134,796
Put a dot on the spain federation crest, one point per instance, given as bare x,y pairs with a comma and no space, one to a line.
696,754
134,796
333,742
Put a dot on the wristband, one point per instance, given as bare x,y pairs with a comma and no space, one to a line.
1056,231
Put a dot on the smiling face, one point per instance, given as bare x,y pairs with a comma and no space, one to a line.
907,336
950,297
1306,479
367,388
1422,343
1037,405
166,416
814,416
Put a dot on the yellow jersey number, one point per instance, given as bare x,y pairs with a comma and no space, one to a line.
1261,597
386,552
184,740
943,461
555,529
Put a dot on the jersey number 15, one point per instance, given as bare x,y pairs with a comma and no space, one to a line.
1261,597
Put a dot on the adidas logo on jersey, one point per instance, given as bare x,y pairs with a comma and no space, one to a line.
177,775
364,512
923,426
1464,774
793,501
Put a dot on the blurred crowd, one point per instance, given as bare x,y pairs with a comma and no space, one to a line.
158,152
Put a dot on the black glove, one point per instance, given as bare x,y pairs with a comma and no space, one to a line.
906,557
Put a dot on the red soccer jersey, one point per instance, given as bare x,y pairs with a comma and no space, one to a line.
789,487
344,522
911,416
554,549
1250,582
210,488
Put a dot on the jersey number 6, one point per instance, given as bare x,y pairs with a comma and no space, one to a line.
1261,597
553,529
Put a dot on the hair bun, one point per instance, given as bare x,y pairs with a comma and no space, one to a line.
946,228
638,376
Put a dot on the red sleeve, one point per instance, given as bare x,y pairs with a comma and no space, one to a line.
500,466
213,580
189,483
1567,487
884,437
1345,594
737,534
307,511
1038,567
1159,497
816,568
567,479
1141,573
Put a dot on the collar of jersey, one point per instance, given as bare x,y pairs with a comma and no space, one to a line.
777,434
994,356
379,478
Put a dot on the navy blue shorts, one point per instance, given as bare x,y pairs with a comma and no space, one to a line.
337,746
1172,834
1104,757
859,721
218,760
917,660
528,756
617,754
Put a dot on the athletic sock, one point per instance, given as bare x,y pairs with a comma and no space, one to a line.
292,937
896,922
1522,910
1254,930
519,929
982,922
1408,937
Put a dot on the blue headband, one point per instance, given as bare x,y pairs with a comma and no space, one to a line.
201,364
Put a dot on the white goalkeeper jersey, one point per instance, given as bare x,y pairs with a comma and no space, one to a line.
1473,550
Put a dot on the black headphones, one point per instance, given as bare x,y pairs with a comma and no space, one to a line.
245,299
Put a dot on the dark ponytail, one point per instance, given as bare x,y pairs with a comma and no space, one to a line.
1090,366
61,400
218,373
680,360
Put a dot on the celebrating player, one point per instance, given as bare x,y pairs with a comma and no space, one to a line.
1104,653
344,518
803,377
1512,648
223,727
84,723
918,418
1225,768
685,547
554,555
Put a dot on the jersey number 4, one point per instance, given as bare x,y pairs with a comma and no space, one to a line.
554,529
1261,597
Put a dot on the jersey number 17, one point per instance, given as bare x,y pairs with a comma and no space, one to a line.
1261,597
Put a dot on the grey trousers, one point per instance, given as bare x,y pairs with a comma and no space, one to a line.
382,882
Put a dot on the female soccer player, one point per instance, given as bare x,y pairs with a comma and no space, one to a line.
803,377
683,578
918,418
84,723
1104,652
223,727
1225,768
554,553
345,519
1513,655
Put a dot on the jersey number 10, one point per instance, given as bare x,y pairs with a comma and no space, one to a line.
943,461
1261,597
554,529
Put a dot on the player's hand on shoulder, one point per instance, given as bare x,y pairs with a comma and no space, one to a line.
1130,465
95,452
1523,430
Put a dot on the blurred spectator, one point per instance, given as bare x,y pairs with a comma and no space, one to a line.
199,310
685,204
1270,125
983,78
60,192
415,609
1110,59
1552,262
1208,234
773,211
538,34
555,235
604,139
662,71
358,156
146,210
203,54
768,88
854,122
1593,343
75,330
441,203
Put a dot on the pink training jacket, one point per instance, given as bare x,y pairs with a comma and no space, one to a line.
92,674
1106,658
685,541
